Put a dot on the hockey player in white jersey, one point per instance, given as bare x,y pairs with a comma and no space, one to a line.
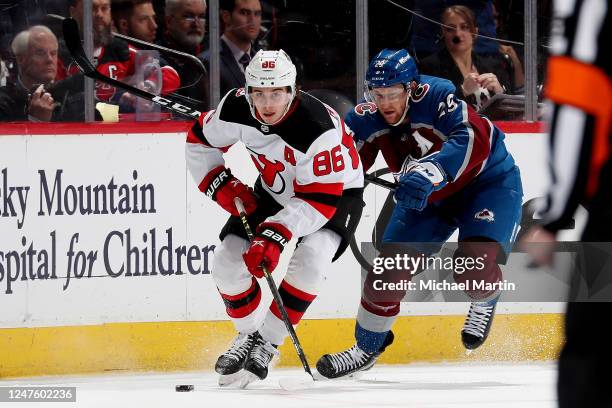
310,187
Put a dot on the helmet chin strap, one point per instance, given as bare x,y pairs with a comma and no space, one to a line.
401,119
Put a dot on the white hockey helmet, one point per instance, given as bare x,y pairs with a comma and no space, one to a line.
270,69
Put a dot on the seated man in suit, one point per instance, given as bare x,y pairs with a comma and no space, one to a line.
242,23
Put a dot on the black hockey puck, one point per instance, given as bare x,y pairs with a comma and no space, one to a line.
184,388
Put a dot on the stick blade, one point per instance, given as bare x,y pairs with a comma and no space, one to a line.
296,383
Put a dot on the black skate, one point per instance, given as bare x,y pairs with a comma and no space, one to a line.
478,323
350,361
233,360
259,358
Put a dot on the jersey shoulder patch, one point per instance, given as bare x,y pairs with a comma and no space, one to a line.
364,121
365,108
432,88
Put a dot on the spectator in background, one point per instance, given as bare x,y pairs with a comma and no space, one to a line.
101,20
35,95
242,23
135,18
35,52
424,33
185,25
477,78
114,57
184,31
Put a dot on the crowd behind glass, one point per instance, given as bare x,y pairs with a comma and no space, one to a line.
476,44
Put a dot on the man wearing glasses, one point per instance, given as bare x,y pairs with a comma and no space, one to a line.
185,22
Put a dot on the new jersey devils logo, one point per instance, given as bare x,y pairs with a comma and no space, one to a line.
269,171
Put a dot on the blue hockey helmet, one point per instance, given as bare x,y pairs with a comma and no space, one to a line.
391,67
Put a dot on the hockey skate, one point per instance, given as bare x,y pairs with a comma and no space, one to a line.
478,323
230,363
256,366
350,361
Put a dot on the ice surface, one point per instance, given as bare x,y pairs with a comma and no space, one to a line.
480,385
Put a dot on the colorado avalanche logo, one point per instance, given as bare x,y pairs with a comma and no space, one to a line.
486,215
364,107
270,172
420,92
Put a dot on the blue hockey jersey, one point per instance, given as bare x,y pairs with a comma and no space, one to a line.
441,128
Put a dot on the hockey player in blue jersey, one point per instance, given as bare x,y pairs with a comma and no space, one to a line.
453,172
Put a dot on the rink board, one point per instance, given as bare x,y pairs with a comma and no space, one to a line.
80,205
180,346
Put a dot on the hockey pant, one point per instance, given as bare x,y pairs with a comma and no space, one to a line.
488,238
379,308
241,292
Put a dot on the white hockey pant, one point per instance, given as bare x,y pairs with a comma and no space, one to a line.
241,292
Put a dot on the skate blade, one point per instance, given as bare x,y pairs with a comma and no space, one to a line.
468,351
247,379
230,380
354,376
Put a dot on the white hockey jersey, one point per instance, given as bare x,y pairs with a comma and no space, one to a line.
305,161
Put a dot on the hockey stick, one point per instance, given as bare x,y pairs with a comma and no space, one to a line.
150,46
70,29
371,178
164,50
144,44
274,290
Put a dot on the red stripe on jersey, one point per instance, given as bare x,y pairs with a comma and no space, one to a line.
205,117
323,188
192,138
296,292
327,211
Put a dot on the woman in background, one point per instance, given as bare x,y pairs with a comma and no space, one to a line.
476,78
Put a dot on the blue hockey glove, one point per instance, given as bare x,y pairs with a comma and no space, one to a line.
416,185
